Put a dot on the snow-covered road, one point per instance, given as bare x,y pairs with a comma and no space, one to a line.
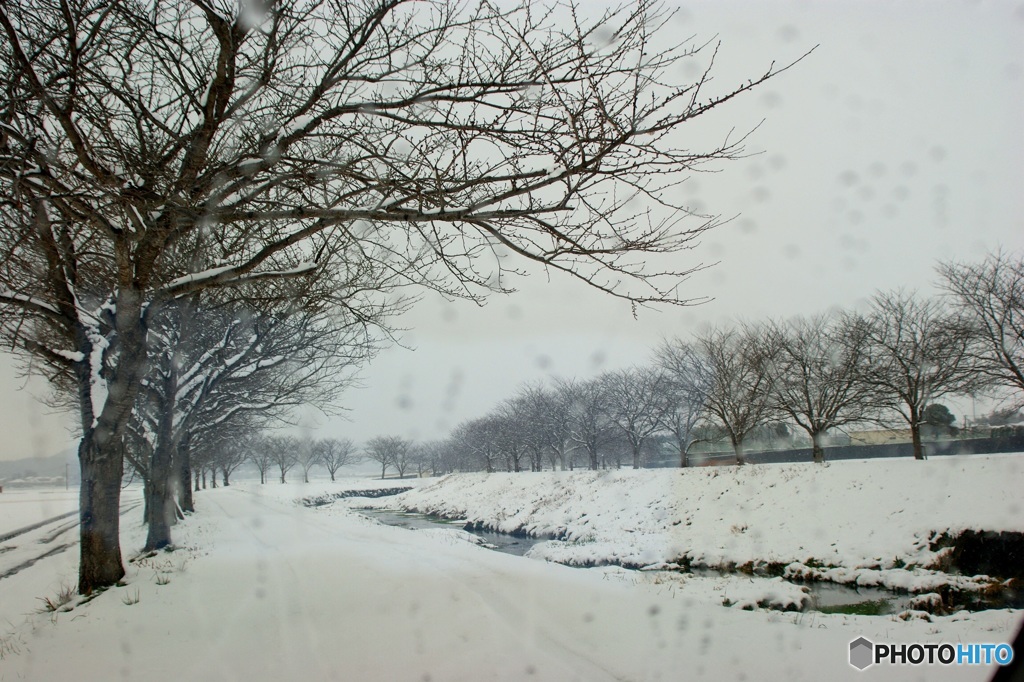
263,589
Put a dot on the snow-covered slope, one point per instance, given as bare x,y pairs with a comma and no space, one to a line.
879,513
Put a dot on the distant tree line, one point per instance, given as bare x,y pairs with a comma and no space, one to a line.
887,365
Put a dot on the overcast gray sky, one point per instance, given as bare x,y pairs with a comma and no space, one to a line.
896,144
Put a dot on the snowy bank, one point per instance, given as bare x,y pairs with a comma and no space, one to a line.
860,516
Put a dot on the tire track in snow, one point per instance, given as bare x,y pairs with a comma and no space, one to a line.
28,529
49,539
25,564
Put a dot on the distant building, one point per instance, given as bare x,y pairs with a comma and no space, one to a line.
880,437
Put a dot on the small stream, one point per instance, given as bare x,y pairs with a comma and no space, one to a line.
825,597
501,542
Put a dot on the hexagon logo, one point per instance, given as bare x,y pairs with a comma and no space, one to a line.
861,653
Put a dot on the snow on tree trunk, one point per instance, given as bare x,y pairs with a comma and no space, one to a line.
740,456
817,451
105,407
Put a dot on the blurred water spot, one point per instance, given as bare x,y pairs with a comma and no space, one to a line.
791,251
848,178
747,226
771,100
761,194
937,153
788,33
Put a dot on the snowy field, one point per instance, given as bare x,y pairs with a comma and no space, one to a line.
20,507
262,588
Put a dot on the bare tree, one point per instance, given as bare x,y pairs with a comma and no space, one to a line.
284,453
633,403
919,352
545,420
217,366
739,390
480,441
991,295
589,428
261,455
511,420
307,457
398,142
232,451
817,372
335,453
391,451
684,393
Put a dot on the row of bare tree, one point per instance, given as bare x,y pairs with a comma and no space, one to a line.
161,163
822,373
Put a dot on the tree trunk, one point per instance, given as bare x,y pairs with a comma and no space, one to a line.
197,481
737,446
817,451
683,460
263,476
915,436
160,508
183,465
101,450
636,455
203,469
384,468
224,471
213,477
99,512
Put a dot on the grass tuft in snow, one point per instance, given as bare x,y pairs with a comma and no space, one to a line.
130,599
64,596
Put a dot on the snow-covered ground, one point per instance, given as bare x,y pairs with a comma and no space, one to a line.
21,507
262,588
870,522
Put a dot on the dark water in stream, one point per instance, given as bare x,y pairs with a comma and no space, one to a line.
827,597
